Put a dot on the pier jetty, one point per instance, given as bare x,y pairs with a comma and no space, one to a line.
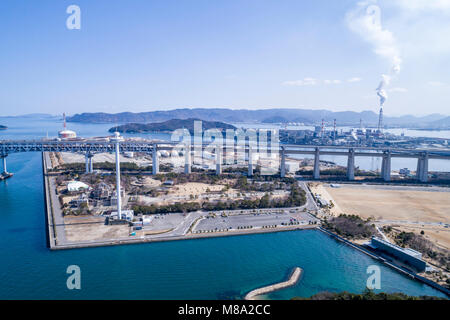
293,279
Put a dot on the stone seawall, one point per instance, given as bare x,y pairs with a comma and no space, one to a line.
293,279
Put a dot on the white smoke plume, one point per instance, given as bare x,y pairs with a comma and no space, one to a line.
365,20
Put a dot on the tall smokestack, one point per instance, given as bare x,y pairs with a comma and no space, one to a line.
64,118
323,127
380,120
334,130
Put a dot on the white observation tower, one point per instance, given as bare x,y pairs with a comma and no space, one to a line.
117,139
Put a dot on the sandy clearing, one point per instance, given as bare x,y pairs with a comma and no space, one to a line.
195,188
404,205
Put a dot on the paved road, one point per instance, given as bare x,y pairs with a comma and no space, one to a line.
438,224
310,203
58,219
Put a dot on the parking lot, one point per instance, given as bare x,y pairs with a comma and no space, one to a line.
251,220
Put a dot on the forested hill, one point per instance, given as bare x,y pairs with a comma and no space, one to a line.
279,115
170,125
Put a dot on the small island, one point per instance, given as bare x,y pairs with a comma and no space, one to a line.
3,127
170,125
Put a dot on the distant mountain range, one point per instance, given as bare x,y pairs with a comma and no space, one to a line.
306,116
169,126
3,127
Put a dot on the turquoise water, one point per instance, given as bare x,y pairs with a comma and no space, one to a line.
192,269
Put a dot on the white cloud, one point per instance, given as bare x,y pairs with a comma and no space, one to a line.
423,4
365,20
332,81
304,82
398,89
421,26
354,79
314,82
436,83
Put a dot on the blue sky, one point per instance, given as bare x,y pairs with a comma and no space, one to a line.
141,55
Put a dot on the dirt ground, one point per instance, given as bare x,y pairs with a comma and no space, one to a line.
404,209
195,188
404,205
92,228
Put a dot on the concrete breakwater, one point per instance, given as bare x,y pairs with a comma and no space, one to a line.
293,279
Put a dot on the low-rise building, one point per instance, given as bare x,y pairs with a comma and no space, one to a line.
75,186
126,214
101,191
78,202
407,255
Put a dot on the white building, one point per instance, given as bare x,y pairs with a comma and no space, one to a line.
74,186
126,214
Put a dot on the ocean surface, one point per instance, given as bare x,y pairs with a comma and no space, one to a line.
216,268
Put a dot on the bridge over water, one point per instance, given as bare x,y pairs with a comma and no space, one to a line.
89,147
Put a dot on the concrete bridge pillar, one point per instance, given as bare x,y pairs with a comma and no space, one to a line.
351,164
187,159
283,163
422,168
219,160
86,157
4,164
386,166
250,161
155,159
89,163
316,172
419,168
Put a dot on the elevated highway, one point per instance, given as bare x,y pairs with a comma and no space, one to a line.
91,146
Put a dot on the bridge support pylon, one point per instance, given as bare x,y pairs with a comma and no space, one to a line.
316,172
155,159
218,160
5,171
351,164
422,167
386,166
187,159
89,163
250,161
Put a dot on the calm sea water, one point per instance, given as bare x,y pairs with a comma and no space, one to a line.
192,269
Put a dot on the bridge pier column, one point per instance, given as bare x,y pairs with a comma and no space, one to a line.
419,168
91,163
187,159
250,161
351,164
218,160
386,166
283,163
86,157
155,159
422,168
5,171
316,172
